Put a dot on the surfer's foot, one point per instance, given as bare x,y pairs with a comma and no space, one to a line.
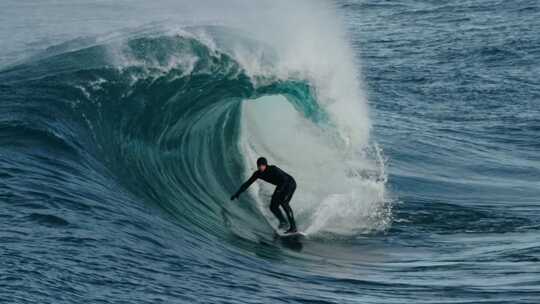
291,230
282,225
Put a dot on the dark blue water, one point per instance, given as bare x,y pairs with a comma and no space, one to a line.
125,127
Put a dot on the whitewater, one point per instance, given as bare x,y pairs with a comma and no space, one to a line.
410,128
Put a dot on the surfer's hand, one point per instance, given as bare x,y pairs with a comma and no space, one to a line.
233,197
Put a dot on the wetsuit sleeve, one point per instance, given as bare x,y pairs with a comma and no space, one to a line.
247,184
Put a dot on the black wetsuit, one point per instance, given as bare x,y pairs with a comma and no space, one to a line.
285,187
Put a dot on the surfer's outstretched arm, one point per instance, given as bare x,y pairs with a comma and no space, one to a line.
245,185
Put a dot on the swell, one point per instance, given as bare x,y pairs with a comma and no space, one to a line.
160,114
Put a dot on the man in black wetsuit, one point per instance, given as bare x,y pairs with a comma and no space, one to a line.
285,186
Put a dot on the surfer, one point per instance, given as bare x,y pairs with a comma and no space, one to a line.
285,186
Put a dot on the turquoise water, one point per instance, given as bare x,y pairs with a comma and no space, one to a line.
412,129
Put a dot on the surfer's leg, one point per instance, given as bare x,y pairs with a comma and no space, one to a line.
274,207
288,210
290,216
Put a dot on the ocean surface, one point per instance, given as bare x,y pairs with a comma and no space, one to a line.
411,127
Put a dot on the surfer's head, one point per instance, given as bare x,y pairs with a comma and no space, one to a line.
262,163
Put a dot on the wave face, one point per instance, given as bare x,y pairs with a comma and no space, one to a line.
164,115
120,152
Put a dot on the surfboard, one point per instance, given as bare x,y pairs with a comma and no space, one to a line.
294,235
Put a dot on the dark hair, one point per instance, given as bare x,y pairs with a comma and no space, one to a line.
261,161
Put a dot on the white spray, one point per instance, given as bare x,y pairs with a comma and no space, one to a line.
341,184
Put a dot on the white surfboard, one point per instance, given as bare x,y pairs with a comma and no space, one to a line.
298,234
